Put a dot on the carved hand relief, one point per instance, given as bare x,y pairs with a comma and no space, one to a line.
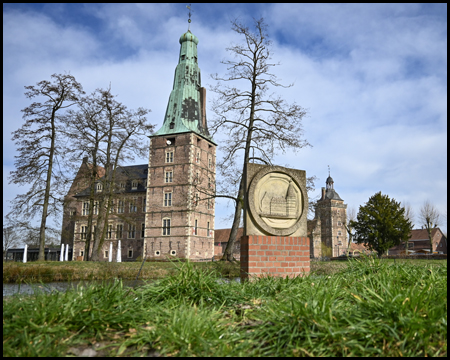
276,201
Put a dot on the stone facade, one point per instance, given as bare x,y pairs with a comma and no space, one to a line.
328,235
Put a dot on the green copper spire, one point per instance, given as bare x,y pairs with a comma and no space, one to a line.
186,110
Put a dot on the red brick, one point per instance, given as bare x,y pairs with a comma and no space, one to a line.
280,270
272,270
272,258
284,264
264,247
276,264
263,258
268,264
260,264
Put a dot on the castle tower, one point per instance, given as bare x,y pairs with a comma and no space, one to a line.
330,217
181,179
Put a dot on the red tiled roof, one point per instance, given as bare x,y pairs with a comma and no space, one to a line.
422,234
222,235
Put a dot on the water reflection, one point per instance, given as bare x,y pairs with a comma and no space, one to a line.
28,289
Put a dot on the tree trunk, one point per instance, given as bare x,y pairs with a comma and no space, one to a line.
41,256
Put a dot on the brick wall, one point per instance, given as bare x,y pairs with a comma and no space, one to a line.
274,256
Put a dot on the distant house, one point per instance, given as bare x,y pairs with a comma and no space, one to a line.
221,237
420,244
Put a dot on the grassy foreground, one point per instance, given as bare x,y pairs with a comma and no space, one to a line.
369,308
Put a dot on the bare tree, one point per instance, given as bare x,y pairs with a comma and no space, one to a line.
10,239
429,217
258,124
409,215
351,218
109,134
39,143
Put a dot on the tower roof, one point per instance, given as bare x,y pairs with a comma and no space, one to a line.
186,109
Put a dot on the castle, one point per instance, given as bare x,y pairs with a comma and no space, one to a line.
165,207
327,233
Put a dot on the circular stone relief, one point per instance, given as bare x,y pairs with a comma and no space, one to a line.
276,201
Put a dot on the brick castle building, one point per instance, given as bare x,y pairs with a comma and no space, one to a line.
327,233
164,207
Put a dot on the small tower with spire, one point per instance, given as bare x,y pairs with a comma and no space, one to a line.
181,177
329,237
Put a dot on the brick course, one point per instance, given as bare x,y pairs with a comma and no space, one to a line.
259,259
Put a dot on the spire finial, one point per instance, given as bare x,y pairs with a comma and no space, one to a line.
189,21
329,170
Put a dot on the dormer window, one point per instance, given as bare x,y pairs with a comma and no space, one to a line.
195,58
99,187
183,57
134,185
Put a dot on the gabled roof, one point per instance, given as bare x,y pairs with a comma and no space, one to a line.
422,234
222,235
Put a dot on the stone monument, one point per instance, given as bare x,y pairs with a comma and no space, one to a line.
276,205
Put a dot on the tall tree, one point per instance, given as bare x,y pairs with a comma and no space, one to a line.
381,224
109,134
39,143
429,217
258,124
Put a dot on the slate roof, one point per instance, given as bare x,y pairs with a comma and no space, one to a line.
332,195
132,172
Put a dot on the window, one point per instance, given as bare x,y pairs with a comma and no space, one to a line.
122,185
106,253
83,232
110,231
134,185
81,252
209,163
169,157
133,207
131,231
197,198
339,223
169,175
208,230
119,232
166,227
95,207
440,244
144,206
197,157
157,253
209,204
173,252
196,227
209,183
121,207
143,231
183,57
86,208
111,207
167,199
72,212
99,187
130,253
339,233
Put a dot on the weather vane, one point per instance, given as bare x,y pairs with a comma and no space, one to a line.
189,21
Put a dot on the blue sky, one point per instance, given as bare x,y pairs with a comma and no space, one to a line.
373,78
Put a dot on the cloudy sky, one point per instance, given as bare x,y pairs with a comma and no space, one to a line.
372,77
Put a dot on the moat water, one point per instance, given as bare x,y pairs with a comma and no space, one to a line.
29,289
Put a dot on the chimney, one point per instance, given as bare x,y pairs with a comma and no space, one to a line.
85,160
323,193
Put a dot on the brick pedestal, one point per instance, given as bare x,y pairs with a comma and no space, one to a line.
274,256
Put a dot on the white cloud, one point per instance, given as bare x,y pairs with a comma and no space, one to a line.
372,76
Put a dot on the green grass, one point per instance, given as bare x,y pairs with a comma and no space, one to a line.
368,308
